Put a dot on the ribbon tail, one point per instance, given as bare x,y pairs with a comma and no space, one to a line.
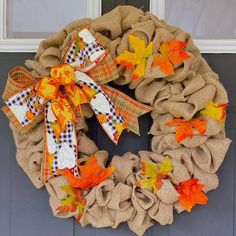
129,108
106,112
60,148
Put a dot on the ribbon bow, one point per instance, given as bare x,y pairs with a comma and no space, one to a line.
57,97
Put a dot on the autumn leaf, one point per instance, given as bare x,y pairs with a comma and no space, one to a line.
170,54
185,128
215,111
152,174
72,202
136,59
91,174
191,194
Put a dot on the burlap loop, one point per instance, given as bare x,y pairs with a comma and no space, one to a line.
139,222
107,205
37,68
162,213
120,197
124,166
50,57
86,146
210,155
29,148
143,30
183,94
117,21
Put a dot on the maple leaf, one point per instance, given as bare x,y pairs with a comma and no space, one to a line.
185,128
152,174
72,202
91,174
137,59
215,111
171,54
191,194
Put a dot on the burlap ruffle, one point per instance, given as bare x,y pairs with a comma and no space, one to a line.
184,94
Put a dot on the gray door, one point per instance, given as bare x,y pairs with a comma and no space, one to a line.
24,210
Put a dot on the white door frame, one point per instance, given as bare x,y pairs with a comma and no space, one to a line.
31,45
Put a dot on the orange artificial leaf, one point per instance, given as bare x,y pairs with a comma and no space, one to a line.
215,111
72,202
170,54
185,128
191,194
91,174
136,59
152,174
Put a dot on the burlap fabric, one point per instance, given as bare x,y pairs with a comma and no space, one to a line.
193,85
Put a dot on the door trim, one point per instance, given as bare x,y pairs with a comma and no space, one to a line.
28,44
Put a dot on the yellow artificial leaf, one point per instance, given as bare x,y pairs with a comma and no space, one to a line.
215,111
74,201
136,59
152,174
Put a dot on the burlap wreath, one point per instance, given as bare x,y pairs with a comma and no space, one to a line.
118,199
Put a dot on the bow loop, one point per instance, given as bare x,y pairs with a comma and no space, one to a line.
47,88
63,74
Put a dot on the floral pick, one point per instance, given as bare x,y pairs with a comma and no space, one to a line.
185,128
72,202
137,59
91,174
215,111
191,194
152,174
170,54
